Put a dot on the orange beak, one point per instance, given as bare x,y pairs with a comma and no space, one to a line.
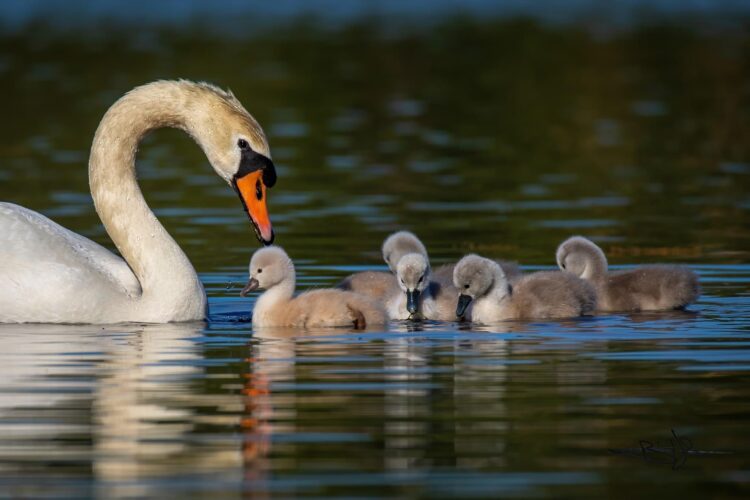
252,192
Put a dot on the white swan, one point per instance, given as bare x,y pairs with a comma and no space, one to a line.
49,274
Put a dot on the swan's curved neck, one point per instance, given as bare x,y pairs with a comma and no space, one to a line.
166,276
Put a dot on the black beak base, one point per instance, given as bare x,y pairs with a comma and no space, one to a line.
463,303
251,286
412,301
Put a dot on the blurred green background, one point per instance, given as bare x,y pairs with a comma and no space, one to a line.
481,129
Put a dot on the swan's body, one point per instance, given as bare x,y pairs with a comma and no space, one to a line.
646,288
50,274
272,269
487,297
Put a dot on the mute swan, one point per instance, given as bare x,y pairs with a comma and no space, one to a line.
49,274
540,295
647,288
272,269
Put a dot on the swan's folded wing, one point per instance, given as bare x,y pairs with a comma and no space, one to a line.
33,247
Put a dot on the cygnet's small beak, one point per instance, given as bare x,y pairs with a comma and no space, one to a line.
252,285
463,303
412,300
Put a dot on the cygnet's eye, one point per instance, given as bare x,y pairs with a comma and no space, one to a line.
466,287
242,144
260,270
420,279
563,265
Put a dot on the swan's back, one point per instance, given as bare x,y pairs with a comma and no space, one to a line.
552,294
51,274
650,288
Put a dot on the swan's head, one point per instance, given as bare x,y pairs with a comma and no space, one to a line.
399,244
269,266
237,149
580,256
413,276
475,276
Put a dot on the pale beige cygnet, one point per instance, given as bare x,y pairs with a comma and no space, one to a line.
646,288
272,269
382,285
419,295
486,295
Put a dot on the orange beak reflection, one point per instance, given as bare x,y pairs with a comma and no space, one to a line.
252,192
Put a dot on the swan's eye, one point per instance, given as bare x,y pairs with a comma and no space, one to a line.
260,270
242,144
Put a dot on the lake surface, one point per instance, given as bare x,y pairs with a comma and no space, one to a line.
501,136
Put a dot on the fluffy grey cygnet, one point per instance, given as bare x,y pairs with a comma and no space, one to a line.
486,295
646,288
420,295
381,285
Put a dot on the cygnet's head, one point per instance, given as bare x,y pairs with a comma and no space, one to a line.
475,276
399,244
413,276
580,256
269,266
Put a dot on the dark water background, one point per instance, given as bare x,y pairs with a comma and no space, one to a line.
494,130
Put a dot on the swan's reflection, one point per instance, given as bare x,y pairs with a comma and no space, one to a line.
122,397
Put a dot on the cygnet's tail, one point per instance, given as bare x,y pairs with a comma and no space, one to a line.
358,318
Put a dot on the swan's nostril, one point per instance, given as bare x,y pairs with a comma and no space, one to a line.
258,190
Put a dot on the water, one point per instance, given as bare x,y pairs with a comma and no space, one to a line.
498,136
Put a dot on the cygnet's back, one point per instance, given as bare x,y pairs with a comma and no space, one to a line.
646,288
329,307
552,294
378,285
272,269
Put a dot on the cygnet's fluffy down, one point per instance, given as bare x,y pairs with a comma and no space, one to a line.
486,296
646,288
272,269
